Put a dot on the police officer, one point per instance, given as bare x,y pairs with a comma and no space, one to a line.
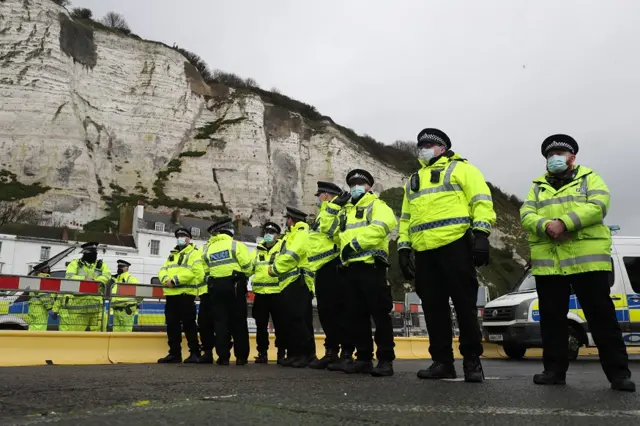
571,247
40,303
266,289
228,265
206,320
77,312
294,292
125,308
365,222
324,259
447,215
181,275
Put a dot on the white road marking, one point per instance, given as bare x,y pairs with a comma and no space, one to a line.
207,398
461,379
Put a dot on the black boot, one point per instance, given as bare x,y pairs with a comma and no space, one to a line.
206,358
438,370
473,372
170,359
359,366
262,358
320,364
549,378
242,361
286,361
221,361
341,363
624,384
300,361
193,358
383,369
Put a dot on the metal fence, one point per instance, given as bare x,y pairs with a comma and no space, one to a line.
54,304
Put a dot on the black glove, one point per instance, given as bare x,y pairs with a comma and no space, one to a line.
346,251
342,199
480,248
128,310
406,264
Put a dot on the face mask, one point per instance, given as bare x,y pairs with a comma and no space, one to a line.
182,241
318,202
557,164
427,154
90,257
268,238
120,271
357,191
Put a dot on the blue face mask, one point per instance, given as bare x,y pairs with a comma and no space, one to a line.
357,191
318,202
268,238
182,241
557,164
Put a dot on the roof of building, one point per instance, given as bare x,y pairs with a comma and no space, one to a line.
58,234
149,219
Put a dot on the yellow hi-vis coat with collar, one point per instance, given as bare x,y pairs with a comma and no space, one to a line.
440,212
323,245
123,301
223,255
291,261
581,205
185,268
262,282
79,270
365,227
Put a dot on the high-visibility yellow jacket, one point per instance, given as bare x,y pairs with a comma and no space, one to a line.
581,205
45,299
291,261
123,301
185,268
323,245
440,212
80,270
223,255
262,282
365,227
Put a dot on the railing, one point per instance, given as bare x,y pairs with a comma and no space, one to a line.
55,304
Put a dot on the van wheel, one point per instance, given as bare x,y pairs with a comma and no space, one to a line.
515,351
574,344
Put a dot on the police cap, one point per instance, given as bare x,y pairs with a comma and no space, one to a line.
559,142
271,228
182,231
359,176
121,262
430,135
221,225
295,214
328,187
89,247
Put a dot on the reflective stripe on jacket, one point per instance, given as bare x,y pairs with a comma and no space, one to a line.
452,196
262,282
581,205
185,268
365,227
45,299
292,255
123,301
223,255
79,270
323,246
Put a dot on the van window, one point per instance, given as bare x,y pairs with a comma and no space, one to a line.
632,265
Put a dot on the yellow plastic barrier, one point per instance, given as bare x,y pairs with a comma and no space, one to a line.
19,348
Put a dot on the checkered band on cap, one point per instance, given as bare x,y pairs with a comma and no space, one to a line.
432,138
358,176
561,145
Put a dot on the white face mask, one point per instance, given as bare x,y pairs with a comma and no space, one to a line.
426,154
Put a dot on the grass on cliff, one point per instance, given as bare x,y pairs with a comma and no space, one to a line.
12,190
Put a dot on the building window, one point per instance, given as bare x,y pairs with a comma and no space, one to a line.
159,227
155,247
195,232
632,265
45,253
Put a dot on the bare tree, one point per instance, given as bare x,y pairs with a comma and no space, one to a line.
16,212
81,13
115,21
406,146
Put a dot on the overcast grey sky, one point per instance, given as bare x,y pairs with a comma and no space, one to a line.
497,76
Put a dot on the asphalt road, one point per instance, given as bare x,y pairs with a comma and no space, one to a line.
267,394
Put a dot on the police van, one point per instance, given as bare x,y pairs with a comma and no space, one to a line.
513,320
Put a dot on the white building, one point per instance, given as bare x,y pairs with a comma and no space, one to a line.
145,239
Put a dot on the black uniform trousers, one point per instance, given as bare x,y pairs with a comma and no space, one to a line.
206,323
592,290
308,320
369,296
443,273
229,300
180,315
265,305
293,305
332,308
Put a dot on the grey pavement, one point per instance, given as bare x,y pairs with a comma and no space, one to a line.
182,394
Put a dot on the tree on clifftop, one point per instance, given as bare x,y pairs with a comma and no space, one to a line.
115,21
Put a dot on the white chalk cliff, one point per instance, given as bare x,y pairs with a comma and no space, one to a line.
89,112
